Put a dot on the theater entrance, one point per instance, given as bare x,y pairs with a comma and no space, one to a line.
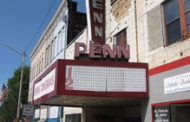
180,112
114,114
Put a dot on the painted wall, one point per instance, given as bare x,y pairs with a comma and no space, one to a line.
50,47
151,36
157,95
37,66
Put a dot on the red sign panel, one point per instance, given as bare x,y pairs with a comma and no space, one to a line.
96,20
96,79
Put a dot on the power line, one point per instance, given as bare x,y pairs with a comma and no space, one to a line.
128,19
32,39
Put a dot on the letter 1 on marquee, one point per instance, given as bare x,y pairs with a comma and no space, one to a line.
69,80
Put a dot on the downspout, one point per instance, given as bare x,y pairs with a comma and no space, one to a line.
136,28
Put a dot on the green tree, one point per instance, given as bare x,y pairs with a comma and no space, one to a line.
8,108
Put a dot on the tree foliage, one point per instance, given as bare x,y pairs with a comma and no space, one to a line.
8,108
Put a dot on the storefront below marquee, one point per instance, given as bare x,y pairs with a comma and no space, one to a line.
107,91
176,111
169,98
47,114
130,113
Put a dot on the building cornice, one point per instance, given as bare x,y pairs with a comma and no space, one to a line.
64,2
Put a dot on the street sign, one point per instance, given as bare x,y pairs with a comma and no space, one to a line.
27,110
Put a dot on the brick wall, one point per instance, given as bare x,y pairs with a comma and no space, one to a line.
151,36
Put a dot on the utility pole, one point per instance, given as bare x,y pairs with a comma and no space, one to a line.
21,78
20,88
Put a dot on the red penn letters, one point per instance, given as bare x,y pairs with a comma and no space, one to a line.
98,50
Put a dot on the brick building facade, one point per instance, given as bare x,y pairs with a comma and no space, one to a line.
158,34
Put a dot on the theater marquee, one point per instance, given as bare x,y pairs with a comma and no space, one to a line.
84,78
105,79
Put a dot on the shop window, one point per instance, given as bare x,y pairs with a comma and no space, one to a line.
36,114
177,20
161,113
120,38
73,118
177,112
48,55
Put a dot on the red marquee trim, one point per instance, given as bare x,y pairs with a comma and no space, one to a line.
60,80
171,102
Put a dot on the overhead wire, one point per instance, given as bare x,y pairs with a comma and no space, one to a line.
38,29
129,18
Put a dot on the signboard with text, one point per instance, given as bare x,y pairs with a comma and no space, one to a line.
161,113
83,78
177,83
45,85
96,20
27,110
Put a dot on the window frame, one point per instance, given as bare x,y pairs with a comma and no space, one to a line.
69,116
112,1
121,32
185,13
182,19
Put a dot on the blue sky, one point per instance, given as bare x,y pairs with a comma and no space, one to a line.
19,20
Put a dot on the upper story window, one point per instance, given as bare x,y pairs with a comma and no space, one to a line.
187,14
112,1
48,55
120,38
177,20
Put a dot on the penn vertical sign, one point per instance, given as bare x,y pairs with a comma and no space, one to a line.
96,20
